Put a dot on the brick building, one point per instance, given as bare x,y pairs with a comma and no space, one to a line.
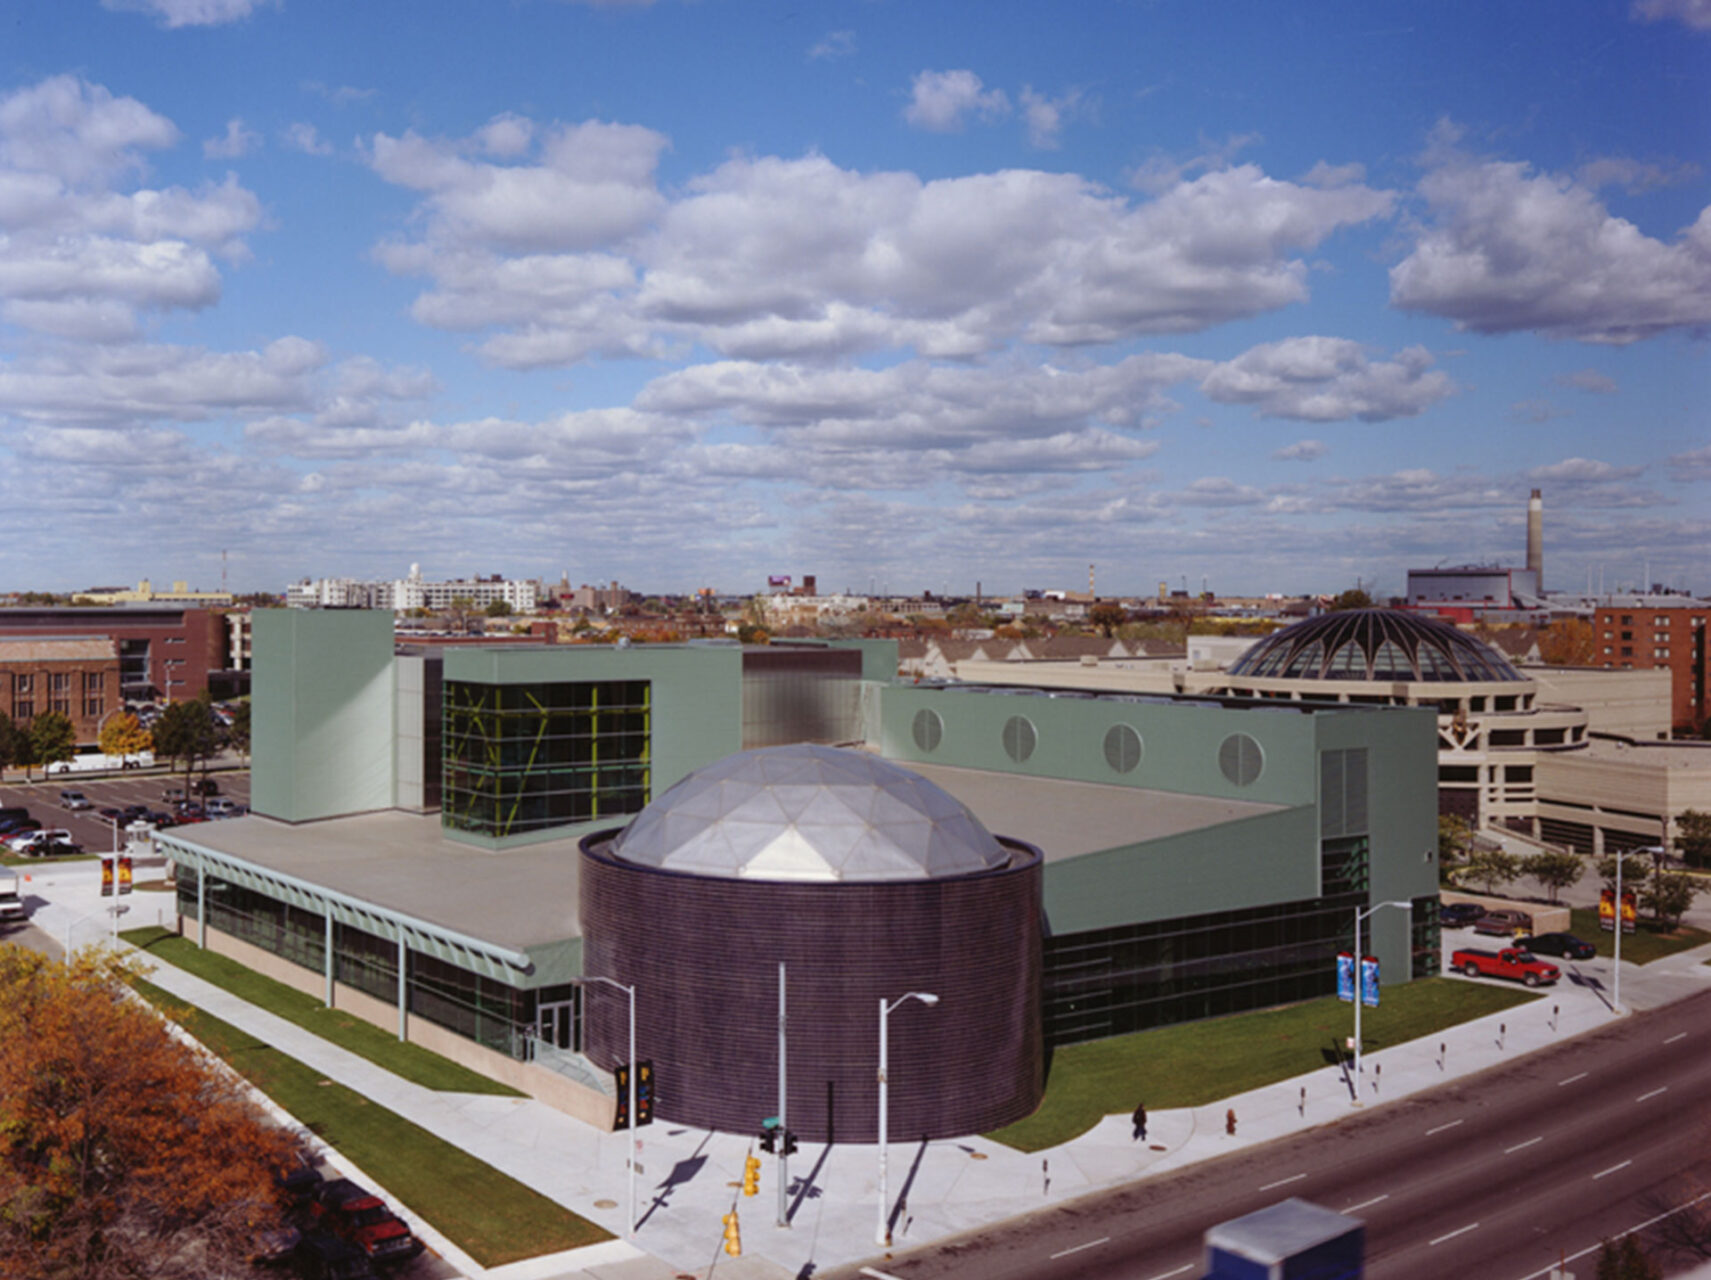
165,651
1650,633
77,677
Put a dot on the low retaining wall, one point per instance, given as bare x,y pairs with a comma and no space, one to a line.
559,1092
1546,918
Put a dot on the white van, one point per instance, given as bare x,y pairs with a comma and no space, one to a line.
11,905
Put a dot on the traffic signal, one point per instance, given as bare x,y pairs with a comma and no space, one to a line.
733,1238
751,1176
644,1092
789,1143
621,1079
769,1140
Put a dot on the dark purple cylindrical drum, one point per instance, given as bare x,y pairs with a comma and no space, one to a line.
868,883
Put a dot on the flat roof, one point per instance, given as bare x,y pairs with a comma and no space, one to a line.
530,895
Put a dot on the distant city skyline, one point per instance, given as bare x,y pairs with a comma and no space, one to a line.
1270,298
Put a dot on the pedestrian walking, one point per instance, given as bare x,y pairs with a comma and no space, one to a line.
1140,1119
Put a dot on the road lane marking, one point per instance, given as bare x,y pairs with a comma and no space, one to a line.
1452,1124
1166,1275
1571,1079
1283,1182
1612,1169
1459,1231
1634,1230
1367,1204
1091,1244
1654,1093
1522,1146
1679,1035
878,1275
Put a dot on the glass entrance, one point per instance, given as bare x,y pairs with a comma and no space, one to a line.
556,1025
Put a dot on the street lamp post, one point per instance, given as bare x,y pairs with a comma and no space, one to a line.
883,1235
636,1143
1359,916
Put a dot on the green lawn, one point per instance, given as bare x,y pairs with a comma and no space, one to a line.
1193,1063
490,1216
1646,944
409,1061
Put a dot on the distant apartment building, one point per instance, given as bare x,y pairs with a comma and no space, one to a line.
402,595
1665,632
76,676
146,594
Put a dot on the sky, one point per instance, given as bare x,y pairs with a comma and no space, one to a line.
904,294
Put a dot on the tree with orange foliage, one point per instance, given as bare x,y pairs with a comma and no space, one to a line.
1567,642
124,1152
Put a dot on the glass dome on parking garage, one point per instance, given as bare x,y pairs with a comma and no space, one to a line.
1375,644
809,813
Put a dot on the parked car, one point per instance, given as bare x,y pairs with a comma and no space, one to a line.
13,825
50,847
173,795
188,812
324,1257
19,842
205,787
1511,962
73,800
356,1214
111,814
1504,923
221,807
1557,944
1458,915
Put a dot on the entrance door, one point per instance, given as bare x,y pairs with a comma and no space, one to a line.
555,1024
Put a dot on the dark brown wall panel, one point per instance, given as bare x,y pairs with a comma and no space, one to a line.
703,953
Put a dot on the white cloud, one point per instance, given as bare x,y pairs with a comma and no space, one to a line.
1302,451
1690,13
1319,379
1047,116
237,141
341,95
1693,465
835,44
1508,249
1583,470
83,250
299,136
1588,380
1160,171
191,13
942,101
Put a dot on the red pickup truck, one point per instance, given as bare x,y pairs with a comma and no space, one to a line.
1511,962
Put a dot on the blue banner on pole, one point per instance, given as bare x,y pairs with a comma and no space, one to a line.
1369,981
1345,976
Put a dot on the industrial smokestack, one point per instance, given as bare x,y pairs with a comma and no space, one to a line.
1536,540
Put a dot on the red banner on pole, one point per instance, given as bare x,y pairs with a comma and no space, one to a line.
1630,913
107,877
125,874
1607,909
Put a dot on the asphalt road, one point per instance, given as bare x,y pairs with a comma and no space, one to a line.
1494,1176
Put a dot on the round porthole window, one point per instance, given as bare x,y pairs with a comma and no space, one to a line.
1241,760
928,729
1019,738
1122,748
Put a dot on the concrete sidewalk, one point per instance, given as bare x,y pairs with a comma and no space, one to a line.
689,1177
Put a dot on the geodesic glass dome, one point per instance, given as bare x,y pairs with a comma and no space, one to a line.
1374,644
809,812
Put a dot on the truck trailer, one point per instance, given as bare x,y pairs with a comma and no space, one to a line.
1294,1240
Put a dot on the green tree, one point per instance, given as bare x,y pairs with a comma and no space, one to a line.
1556,869
1626,1261
498,609
124,735
1634,871
186,731
1492,868
1353,598
1667,895
1693,837
238,732
8,742
1107,615
52,738
1455,838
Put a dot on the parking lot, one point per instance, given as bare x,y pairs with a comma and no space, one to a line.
87,827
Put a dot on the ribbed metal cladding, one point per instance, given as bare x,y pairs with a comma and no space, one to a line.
703,954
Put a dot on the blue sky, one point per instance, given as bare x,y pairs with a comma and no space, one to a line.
904,295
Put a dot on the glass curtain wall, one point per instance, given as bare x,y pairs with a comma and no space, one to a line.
525,757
